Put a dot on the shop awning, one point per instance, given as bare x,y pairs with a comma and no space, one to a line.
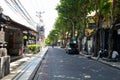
7,20
20,26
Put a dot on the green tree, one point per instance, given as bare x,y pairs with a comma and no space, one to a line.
76,10
102,8
53,36
115,15
47,41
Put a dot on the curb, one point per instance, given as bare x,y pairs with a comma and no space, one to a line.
31,77
102,61
105,62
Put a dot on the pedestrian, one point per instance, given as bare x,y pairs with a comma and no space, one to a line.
99,54
52,45
115,55
105,53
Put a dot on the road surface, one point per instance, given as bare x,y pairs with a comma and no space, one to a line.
58,65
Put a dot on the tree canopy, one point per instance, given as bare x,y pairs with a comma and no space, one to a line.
77,11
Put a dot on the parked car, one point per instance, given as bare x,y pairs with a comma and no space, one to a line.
72,48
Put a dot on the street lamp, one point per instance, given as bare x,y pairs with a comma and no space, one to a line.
72,24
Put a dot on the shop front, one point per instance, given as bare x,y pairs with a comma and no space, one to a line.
13,37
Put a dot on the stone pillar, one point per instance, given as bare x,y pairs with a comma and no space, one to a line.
4,58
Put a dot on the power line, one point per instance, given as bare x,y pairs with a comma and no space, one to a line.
17,7
24,12
11,6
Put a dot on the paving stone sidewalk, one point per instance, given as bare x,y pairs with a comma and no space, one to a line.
15,66
18,67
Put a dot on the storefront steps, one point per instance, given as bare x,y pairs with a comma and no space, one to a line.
14,58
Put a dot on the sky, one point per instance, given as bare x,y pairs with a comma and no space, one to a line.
33,6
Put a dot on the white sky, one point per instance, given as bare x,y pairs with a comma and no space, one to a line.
48,6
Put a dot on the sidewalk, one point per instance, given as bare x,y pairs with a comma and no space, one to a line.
15,66
24,66
107,62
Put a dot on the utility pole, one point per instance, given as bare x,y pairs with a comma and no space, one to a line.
40,29
39,15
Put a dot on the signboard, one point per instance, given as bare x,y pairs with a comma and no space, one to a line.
91,25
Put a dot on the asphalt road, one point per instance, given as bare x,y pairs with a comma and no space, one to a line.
58,65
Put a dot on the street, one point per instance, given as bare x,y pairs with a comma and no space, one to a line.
58,65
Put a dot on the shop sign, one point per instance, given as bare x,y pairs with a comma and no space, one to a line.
91,25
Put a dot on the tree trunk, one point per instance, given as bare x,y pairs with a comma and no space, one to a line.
81,44
110,43
95,43
111,31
